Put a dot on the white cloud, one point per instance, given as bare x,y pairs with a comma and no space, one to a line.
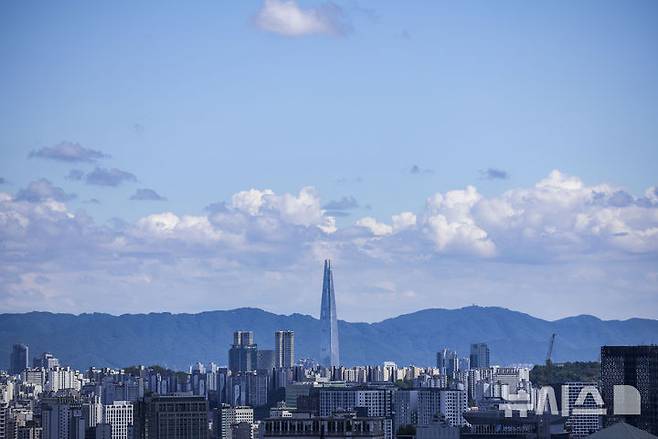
453,247
285,17
376,228
250,201
169,225
403,220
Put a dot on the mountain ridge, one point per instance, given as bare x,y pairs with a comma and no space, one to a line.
180,339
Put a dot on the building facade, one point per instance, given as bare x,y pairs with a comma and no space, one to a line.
284,348
176,417
18,359
119,415
479,356
242,356
636,366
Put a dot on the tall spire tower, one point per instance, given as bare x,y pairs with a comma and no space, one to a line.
329,351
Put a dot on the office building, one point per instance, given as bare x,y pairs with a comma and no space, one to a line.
439,428
248,388
636,366
284,348
492,423
242,356
103,431
367,401
46,360
119,415
329,349
447,362
175,417
18,359
226,416
346,425
265,359
62,417
479,356
244,430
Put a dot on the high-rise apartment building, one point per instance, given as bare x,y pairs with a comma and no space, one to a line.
636,366
18,359
119,415
284,348
421,406
479,356
242,356
329,349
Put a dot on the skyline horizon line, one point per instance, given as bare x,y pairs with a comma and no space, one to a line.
241,308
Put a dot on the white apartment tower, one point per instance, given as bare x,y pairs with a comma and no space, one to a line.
119,415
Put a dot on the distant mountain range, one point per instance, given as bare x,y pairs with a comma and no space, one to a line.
178,340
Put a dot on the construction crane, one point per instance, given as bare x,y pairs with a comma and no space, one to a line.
549,363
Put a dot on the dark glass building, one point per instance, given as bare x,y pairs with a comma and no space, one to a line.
18,359
479,356
242,356
636,366
172,417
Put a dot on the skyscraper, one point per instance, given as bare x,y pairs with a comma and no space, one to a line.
479,356
243,352
18,358
284,346
329,350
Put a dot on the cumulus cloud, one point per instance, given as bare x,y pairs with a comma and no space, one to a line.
404,220
493,174
109,177
168,225
43,190
145,194
286,17
459,248
68,152
375,227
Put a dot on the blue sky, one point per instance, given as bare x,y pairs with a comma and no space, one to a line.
379,104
